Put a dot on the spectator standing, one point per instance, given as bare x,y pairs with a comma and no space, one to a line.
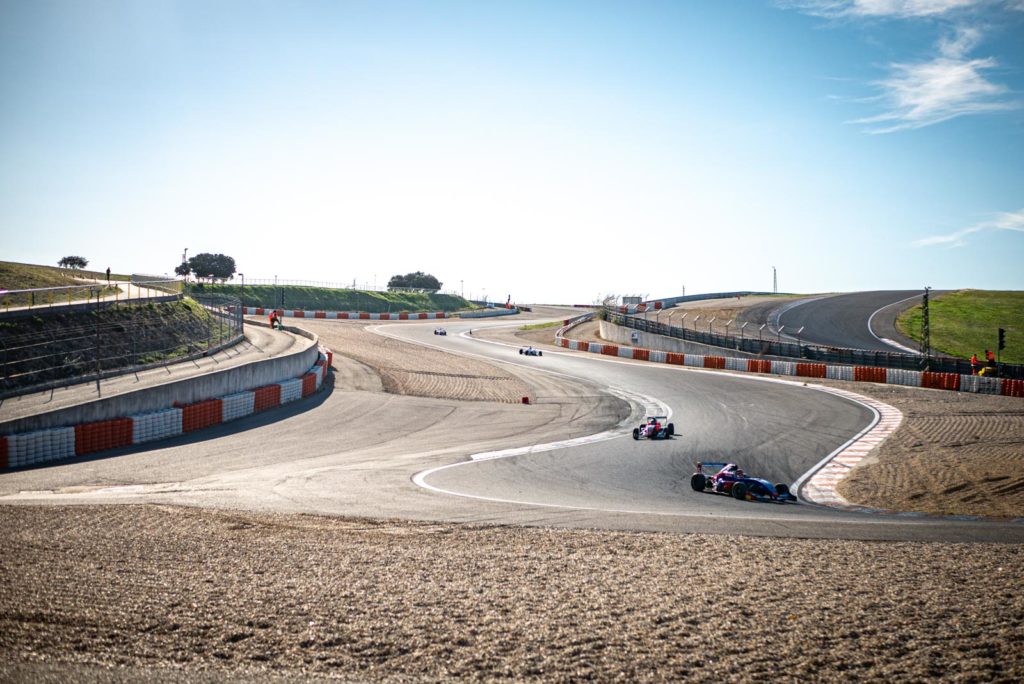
974,364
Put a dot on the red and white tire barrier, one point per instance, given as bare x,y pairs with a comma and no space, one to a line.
55,444
345,315
892,376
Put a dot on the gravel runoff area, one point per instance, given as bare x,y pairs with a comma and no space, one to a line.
158,593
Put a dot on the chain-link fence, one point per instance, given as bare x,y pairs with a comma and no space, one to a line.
45,348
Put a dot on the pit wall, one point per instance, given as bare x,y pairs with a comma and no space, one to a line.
345,315
166,411
947,381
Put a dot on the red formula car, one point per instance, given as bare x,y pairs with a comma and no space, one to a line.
654,427
732,481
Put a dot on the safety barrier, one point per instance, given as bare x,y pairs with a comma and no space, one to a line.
349,315
892,376
55,444
103,435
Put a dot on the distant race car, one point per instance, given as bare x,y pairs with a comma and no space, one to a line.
530,351
732,481
654,427
440,331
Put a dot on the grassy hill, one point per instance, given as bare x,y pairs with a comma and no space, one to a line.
965,322
56,345
328,299
15,276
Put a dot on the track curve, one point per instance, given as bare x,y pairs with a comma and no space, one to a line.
855,320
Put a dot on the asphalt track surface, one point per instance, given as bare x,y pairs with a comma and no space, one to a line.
857,320
361,453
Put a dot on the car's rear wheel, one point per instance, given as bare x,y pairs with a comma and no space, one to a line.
636,433
540,353
671,429
698,482
739,491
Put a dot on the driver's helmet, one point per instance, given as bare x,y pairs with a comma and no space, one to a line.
651,421
738,472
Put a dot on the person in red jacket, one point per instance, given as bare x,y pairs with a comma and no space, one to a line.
974,364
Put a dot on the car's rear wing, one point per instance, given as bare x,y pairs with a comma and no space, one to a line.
708,464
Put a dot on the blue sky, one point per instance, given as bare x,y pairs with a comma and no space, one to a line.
551,151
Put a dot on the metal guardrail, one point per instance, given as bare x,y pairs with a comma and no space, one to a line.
85,293
830,355
86,350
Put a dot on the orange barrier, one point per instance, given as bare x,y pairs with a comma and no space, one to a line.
868,374
298,314
363,316
266,397
330,358
715,362
308,384
1012,388
3,453
759,366
583,345
201,414
103,435
342,315
384,317
642,354
811,370
610,350
675,358
259,311
320,314
943,381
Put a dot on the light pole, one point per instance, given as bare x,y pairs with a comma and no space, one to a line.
775,282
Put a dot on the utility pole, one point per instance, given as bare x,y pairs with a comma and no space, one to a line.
775,281
926,334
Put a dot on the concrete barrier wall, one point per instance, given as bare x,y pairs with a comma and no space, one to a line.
488,313
187,391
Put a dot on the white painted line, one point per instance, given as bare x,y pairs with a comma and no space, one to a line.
883,340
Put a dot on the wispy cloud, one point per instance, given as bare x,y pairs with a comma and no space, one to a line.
1013,220
884,8
948,86
951,83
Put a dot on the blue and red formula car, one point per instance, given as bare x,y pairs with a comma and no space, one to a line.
732,481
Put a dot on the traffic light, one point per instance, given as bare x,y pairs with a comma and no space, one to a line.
1002,339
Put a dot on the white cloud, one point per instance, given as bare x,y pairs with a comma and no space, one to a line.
884,8
925,93
1013,220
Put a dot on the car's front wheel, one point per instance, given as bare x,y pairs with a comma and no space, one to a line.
698,481
636,433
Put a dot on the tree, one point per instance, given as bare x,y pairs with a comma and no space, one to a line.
183,270
212,266
418,280
73,262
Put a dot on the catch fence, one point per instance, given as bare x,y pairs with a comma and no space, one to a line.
47,348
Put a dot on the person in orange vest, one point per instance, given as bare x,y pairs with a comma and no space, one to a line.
974,364
990,357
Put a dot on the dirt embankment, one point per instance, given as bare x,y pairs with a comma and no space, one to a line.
192,591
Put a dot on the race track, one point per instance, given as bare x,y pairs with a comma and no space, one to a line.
856,320
366,453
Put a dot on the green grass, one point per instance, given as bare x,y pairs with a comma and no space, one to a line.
15,276
328,299
539,326
965,322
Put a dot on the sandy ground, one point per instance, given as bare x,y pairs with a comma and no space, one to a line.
156,593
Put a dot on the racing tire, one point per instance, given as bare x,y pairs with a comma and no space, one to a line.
698,481
671,429
782,489
520,351
540,353
636,433
739,491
